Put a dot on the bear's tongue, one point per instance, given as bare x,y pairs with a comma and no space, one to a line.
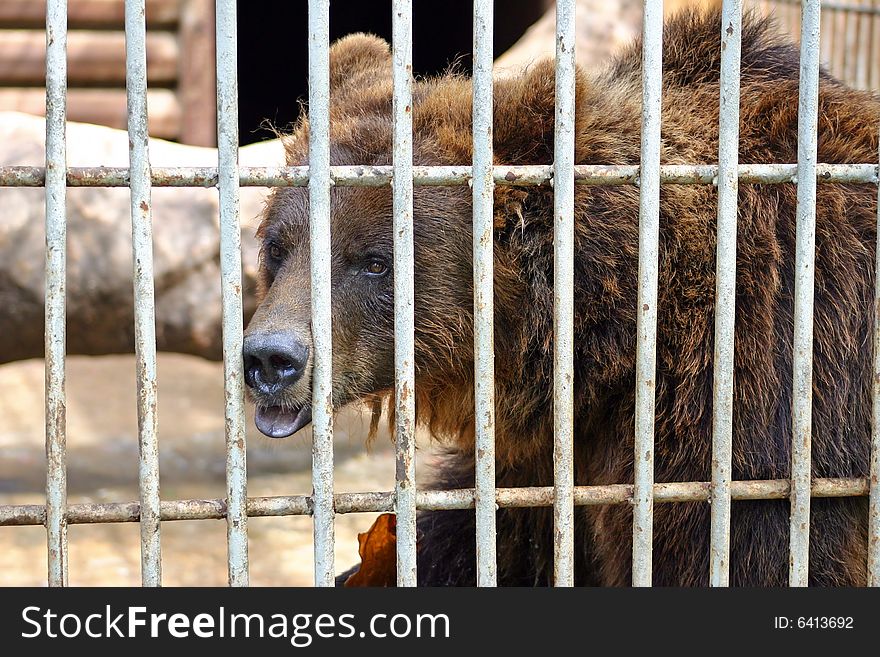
278,422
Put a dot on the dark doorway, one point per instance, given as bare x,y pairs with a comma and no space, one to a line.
273,47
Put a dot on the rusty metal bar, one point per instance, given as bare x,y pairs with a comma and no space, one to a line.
404,320
230,274
144,296
434,500
725,292
802,381
563,297
377,176
484,307
319,230
874,475
649,235
56,277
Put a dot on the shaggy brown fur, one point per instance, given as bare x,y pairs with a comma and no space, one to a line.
606,241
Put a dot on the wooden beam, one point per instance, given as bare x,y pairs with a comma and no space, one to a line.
87,13
197,81
92,57
101,106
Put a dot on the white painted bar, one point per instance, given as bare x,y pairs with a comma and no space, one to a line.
230,273
649,235
563,297
12,515
404,319
441,176
144,295
319,230
874,475
725,293
802,381
484,307
56,281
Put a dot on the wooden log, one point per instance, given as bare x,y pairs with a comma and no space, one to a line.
99,265
197,88
87,13
101,106
93,57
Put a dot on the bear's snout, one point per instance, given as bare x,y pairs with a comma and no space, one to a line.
273,361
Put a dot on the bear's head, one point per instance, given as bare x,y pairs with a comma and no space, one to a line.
278,345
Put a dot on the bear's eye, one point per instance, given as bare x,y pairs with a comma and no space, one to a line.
275,252
376,268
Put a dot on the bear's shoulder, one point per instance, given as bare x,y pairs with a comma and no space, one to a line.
692,50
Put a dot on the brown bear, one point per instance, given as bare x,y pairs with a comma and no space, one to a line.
277,342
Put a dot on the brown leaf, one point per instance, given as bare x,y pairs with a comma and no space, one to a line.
378,549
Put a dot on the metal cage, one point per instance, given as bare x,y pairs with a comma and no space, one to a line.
319,176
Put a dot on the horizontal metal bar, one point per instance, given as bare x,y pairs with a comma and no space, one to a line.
428,500
377,176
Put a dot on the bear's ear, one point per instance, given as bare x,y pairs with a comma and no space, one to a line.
508,203
523,133
525,112
524,118
358,60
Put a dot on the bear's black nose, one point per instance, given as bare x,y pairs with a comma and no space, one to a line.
273,361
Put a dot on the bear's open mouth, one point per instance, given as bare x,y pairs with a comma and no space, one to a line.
280,422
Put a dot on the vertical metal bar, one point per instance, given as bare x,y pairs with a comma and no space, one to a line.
725,291
649,235
484,307
230,274
563,297
56,276
144,302
802,381
404,349
874,476
319,224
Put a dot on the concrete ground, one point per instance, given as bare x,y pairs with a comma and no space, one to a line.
102,467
